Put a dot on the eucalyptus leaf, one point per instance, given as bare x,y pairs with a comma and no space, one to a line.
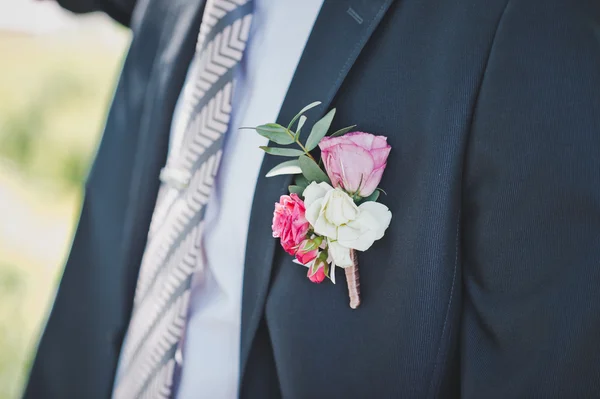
296,189
301,181
311,170
372,197
342,131
275,133
300,124
286,168
283,152
319,130
303,110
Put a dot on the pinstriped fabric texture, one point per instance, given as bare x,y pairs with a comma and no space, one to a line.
173,252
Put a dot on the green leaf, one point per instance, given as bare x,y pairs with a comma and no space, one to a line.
296,189
301,181
326,270
285,168
283,152
311,244
319,130
311,170
342,131
275,133
318,240
300,124
303,110
372,197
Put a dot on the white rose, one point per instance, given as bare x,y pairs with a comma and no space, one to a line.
339,254
333,214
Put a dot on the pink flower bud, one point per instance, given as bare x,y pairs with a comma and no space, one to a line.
320,269
308,250
319,275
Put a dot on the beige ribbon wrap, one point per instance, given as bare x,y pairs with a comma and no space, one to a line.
352,279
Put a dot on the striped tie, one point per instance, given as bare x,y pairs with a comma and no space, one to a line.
173,252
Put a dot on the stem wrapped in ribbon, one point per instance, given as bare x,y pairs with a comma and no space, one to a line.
352,279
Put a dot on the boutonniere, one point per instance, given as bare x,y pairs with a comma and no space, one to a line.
332,210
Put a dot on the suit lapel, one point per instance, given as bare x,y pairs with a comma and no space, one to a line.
338,36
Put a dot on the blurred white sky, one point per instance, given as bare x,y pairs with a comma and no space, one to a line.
43,17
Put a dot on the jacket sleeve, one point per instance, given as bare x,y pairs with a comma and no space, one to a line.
531,209
119,10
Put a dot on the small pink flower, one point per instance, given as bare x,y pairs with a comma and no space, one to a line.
289,222
308,250
355,161
319,275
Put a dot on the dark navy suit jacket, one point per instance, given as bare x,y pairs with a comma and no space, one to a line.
487,283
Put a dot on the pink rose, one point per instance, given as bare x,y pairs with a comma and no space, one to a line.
319,275
289,222
355,161
308,250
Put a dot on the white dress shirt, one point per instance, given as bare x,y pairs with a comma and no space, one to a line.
211,347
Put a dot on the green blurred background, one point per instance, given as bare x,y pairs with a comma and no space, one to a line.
57,76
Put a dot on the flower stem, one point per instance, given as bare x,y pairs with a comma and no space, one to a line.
300,144
352,280
305,151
